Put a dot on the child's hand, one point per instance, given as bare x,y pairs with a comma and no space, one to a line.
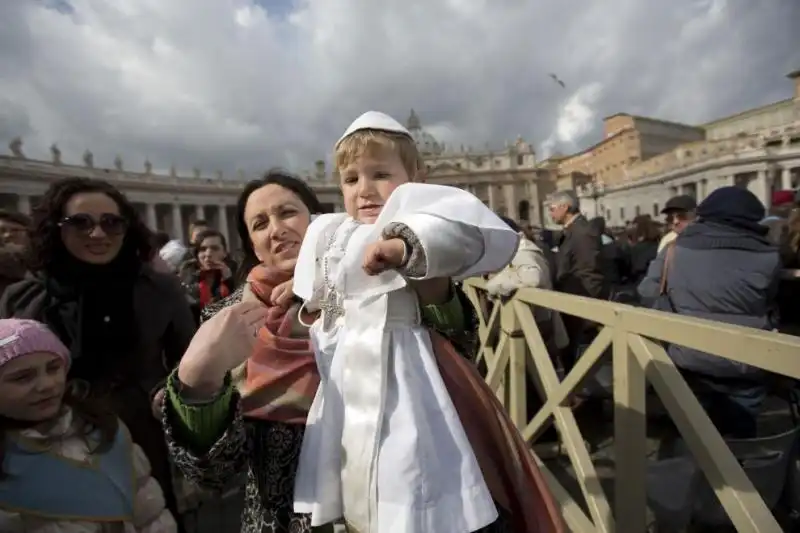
384,255
282,294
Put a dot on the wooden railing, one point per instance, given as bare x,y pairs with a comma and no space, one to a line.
512,345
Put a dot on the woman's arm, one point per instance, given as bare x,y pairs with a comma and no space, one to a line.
206,436
456,319
526,270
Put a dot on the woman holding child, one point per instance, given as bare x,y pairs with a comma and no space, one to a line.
215,427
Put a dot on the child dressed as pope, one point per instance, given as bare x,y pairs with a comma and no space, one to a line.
403,436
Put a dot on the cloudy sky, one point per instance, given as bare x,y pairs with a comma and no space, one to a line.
228,84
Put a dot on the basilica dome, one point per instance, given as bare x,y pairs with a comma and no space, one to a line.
426,143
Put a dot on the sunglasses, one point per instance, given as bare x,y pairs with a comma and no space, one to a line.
83,223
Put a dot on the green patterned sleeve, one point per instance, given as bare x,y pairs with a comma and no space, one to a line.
454,319
200,423
447,316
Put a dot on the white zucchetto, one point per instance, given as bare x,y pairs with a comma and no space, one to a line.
374,120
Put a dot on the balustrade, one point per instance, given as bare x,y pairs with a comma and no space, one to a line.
635,337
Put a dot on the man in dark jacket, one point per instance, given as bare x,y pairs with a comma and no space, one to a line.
723,268
579,268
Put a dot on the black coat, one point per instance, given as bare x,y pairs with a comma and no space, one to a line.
579,263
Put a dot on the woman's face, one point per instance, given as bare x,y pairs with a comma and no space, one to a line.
276,220
92,229
211,252
32,386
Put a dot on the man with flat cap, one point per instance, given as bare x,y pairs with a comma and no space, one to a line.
679,212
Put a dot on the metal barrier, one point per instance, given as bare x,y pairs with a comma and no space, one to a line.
635,337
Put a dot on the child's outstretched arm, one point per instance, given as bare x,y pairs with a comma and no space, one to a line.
437,248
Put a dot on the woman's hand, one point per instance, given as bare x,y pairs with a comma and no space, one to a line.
282,294
221,344
223,268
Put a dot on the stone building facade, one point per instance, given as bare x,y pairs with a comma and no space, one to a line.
166,202
763,162
627,140
508,180
758,149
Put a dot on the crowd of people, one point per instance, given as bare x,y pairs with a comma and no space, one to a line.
330,360
682,266
118,346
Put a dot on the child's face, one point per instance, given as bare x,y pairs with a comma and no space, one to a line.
32,386
368,182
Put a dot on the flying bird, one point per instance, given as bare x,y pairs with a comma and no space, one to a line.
558,81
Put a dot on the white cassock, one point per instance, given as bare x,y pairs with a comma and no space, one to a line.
384,447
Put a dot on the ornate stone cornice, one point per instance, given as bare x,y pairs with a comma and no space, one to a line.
30,170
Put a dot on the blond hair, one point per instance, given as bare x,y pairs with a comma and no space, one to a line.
376,142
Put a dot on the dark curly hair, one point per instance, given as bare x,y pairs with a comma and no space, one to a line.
277,177
205,234
46,245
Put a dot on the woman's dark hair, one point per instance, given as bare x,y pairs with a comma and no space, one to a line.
283,179
45,234
94,418
160,239
645,230
205,234
598,224
511,224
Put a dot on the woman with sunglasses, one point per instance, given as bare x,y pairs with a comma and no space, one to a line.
126,325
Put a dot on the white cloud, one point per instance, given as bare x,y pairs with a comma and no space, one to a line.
575,120
238,84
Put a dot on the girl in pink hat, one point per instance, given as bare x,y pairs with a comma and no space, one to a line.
66,466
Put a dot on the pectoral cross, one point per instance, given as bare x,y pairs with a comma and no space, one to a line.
331,310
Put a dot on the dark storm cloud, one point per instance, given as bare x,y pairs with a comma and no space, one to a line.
225,85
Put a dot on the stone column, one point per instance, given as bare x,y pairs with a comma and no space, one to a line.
763,188
512,210
786,179
492,203
24,204
200,212
535,213
151,218
222,224
177,222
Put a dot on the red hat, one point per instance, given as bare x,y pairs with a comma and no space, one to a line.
780,198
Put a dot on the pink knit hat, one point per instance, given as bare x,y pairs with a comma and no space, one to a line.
20,337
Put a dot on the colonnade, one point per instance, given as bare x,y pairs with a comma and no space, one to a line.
171,218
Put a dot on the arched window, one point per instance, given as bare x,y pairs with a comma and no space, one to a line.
524,208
